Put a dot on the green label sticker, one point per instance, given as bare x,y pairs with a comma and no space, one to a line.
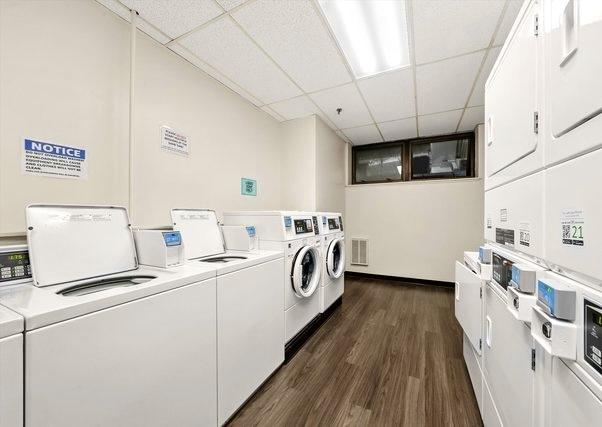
248,187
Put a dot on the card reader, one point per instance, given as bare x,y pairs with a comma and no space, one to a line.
523,278
159,248
556,299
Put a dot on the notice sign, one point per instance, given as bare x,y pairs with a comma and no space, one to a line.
52,160
248,187
174,141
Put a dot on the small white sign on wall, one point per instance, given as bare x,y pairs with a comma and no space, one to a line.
174,141
52,160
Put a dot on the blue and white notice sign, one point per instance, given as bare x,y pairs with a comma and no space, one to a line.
52,160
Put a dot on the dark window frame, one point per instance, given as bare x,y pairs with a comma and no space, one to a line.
405,145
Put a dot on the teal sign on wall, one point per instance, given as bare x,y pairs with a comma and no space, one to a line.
248,187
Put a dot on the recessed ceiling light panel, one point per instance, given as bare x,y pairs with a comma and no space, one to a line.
373,34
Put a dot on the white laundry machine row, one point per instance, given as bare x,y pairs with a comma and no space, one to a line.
493,291
11,368
567,329
250,315
297,235
333,257
107,342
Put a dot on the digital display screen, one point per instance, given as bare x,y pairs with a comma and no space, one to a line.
288,223
172,238
545,294
515,275
333,224
251,231
303,226
14,266
597,318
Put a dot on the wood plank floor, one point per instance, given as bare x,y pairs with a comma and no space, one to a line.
390,355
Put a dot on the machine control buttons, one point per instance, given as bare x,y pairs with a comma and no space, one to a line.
592,323
546,328
14,265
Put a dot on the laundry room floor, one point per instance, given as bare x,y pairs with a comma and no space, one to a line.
390,355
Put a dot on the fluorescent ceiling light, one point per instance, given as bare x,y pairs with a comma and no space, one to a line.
373,34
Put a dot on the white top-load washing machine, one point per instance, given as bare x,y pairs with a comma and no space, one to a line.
108,342
297,234
333,255
250,319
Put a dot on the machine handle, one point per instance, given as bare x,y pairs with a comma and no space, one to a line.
488,331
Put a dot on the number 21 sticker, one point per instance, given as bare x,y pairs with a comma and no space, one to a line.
573,227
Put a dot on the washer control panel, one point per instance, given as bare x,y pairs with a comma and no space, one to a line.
14,265
592,323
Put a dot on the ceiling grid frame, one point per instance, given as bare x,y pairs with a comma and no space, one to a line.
175,45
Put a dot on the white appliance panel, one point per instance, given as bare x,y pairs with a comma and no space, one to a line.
250,332
507,361
573,84
573,209
200,232
165,376
11,381
473,365
468,304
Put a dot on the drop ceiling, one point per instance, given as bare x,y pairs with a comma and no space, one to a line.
281,56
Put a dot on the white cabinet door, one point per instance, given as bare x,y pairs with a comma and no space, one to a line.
573,83
468,304
507,347
511,102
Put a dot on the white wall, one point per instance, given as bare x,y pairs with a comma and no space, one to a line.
417,229
330,169
228,137
298,164
64,78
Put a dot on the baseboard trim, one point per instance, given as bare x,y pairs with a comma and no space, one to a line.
407,280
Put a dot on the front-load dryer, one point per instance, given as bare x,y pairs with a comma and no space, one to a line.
250,316
333,253
107,342
297,235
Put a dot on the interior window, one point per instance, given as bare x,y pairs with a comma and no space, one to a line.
378,164
443,159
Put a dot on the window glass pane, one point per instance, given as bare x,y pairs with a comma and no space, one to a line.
440,159
378,164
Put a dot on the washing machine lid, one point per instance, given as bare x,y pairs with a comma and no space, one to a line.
200,232
10,323
69,243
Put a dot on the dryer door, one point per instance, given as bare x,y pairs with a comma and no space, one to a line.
306,271
335,258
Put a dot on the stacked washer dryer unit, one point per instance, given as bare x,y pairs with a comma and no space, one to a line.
333,257
14,269
107,342
543,216
250,319
297,235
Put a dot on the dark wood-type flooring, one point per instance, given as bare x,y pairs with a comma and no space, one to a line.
390,355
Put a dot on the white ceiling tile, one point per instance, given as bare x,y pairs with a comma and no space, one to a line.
224,46
292,33
347,97
438,124
390,96
472,117
444,28
272,113
175,17
363,135
478,94
208,69
398,129
117,7
230,4
507,21
445,85
295,108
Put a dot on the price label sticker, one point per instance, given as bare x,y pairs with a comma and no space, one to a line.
524,234
572,222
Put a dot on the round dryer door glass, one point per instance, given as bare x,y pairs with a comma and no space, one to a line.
335,261
306,272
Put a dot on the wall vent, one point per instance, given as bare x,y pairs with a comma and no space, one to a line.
359,251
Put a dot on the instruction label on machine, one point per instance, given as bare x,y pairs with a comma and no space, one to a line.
572,222
52,160
174,141
524,234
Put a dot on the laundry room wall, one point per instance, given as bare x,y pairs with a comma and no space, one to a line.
228,138
330,169
416,229
65,79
